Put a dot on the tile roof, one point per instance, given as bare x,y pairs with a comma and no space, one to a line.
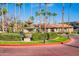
53,25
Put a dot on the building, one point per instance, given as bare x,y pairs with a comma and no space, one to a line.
55,27
75,26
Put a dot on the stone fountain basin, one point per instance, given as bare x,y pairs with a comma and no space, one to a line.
27,37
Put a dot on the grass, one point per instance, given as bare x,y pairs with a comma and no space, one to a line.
14,38
57,39
18,42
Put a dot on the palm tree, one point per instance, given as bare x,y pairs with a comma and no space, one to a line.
24,10
49,14
54,15
14,10
7,25
2,13
24,15
30,9
39,13
2,17
69,15
32,18
15,21
19,5
62,21
45,15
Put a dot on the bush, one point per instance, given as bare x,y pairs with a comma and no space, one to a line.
9,30
42,36
10,37
36,36
75,32
52,35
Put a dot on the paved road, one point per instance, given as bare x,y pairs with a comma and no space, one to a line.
69,49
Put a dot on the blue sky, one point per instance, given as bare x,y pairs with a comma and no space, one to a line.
56,7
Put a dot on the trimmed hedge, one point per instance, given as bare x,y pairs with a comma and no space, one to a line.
10,37
36,36
52,35
41,36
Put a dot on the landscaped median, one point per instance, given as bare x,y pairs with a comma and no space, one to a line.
37,40
55,41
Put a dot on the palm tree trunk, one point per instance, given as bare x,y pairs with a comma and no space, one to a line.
7,15
40,17
62,17
45,15
19,16
49,19
24,10
69,16
2,20
30,9
15,11
53,20
19,12
15,22
24,16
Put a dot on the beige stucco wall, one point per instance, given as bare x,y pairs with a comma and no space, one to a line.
65,30
49,30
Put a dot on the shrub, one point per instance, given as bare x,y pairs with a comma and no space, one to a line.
9,29
42,36
10,37
36,36
52,35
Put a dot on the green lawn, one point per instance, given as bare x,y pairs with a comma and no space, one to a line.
58,39
14,38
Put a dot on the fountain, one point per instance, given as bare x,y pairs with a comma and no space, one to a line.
28,30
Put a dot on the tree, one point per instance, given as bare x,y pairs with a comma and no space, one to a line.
62,21
45,15
32,18
54,15
31,10
19,6
69,15
39,14
49,14
15,20
3,11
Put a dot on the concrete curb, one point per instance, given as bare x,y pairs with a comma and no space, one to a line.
37,44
